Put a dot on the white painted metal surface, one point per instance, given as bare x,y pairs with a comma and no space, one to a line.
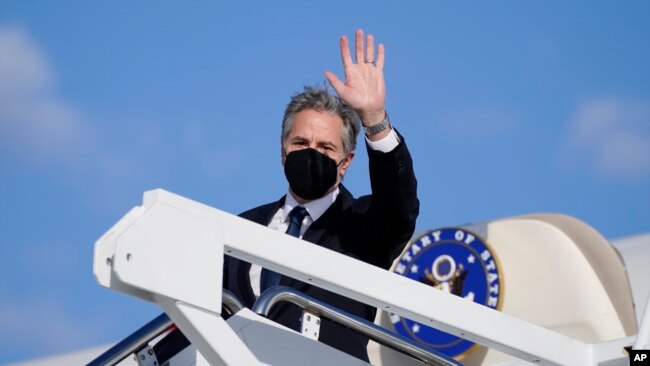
643,338
275,344
157,234
310,325
168,231
557,272
635,252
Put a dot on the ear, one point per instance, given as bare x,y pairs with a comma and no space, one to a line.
346,163
283,154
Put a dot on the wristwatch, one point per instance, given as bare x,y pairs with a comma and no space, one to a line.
375,129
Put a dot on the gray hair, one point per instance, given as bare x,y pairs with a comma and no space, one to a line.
320,99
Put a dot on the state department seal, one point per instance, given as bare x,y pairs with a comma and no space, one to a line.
454,260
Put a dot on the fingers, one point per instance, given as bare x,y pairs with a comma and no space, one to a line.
345,52
367,55
358,46
380,56
370,49
362,55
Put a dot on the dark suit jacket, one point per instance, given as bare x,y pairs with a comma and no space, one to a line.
372,228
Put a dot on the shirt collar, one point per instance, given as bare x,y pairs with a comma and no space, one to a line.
315,208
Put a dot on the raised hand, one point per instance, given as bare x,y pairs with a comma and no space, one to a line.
364,88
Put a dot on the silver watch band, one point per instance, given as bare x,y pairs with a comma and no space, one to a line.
375,129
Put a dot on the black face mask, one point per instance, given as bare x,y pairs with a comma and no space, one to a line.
310,174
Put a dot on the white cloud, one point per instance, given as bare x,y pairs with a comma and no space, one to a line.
35,123
22,65
610,136
38,125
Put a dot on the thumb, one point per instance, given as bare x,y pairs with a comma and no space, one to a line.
335,82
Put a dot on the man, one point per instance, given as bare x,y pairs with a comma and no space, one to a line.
318,142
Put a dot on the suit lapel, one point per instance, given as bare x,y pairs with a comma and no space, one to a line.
321,232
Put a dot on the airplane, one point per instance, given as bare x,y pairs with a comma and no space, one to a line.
545,288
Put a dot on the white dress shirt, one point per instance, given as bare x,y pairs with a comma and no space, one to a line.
315,208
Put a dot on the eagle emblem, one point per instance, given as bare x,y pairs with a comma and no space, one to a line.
453,260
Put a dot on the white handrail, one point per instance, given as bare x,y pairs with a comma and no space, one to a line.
154,232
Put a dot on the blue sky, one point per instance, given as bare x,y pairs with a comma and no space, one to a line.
508,108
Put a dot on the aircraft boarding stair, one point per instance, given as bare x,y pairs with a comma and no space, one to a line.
171,231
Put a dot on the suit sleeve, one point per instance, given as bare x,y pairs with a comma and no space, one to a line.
393,206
